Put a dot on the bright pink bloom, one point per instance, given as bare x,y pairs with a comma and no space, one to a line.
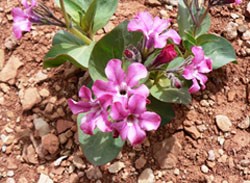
199,65
122,85
95,109
23,18
167,54
134,120
154,30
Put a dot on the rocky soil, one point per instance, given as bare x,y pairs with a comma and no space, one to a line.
209,141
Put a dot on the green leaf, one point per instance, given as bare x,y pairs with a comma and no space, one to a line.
73,8
99,148
186,24
176,63
84,4
171,95
98,15
218,49
164,109
67,47
111,46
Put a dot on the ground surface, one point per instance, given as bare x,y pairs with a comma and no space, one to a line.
192,148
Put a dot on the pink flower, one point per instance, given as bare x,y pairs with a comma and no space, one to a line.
199,65
122,85
23,18
167,54
154,30
134,120
95,109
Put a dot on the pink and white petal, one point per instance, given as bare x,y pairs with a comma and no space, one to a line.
142,22
188,72
141,90
102,122
202,80
114,71
137,104
78,107
160,25
88,124
18,15
101,88
135,134
25,3
135,73
198,54
19,27
33,3
159,41
85,93
118,112
17,31
205,66
172,34
105,101
195,87
122,128
150,121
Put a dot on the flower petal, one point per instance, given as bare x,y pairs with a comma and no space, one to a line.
78,107
114,71
172,34
136,71
188,72
85,93
135,134
18,15
195,87
141,90
118,111
205,66
137,104
122,128
101,88
88,124
102,122
202,80
198,54
150,121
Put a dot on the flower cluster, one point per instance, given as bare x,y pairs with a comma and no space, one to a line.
120,104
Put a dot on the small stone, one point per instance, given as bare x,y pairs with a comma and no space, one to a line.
140,162
231,95
59,160
223,123
31,155
9,71
153,2
44,179
78,162
204,103
50,142
10,42
231,31
246,35
176,171
63,125
11,164
242,28
44,92
223,159
1,59
248,13
195,134
147,176
41,126
221,140
116,167
244,124
109,26
40,76
211,155
245,163
10,180
172,2
93,173
10,173
73,178
234,16
30,98
63,138
204,169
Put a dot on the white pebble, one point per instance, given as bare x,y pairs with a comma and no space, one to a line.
204,169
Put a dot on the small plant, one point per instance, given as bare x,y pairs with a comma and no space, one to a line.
136,71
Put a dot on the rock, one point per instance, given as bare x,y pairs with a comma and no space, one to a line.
147,176
10,42
9,71
44,92
204,169
73,178
165,152
40,76
153,2
245,163
116,167
172,2
50,143
221,140
78,162
248,10
30,98
109,26
41,126
10,180
63,125
240,140
63,138
244,124
140,162
59,160
176,171
231,31
242,28
93,173
211,155
44,179
1,59
192,130
11,164
223,123
246,35
31,156
10,173
231,95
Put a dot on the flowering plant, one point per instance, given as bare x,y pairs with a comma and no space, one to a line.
136,71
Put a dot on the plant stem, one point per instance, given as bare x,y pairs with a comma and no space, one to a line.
65,15
202,19
80,35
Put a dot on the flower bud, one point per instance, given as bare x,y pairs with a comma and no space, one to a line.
167,55
132,54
